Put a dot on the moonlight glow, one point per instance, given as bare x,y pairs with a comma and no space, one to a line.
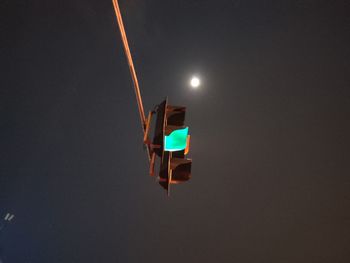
195,82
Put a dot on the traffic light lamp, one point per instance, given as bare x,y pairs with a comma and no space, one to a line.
176,140
171,144
174,170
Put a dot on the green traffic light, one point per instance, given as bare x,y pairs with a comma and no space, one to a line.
176,140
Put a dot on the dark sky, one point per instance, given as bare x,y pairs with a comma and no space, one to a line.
270,131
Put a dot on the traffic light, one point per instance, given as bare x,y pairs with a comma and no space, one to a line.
171,143
171,139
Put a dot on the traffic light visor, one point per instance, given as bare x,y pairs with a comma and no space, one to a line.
176,141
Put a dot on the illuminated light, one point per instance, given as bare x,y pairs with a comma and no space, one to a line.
195,82
176,140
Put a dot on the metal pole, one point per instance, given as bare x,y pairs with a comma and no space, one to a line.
131,64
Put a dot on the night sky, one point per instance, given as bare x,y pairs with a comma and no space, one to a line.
269,128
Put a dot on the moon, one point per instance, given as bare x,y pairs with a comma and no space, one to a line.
195,82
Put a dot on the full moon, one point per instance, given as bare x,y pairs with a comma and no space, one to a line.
195,82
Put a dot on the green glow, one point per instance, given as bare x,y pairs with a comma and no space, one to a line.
176,141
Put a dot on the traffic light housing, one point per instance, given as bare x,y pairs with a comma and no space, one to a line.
171,143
